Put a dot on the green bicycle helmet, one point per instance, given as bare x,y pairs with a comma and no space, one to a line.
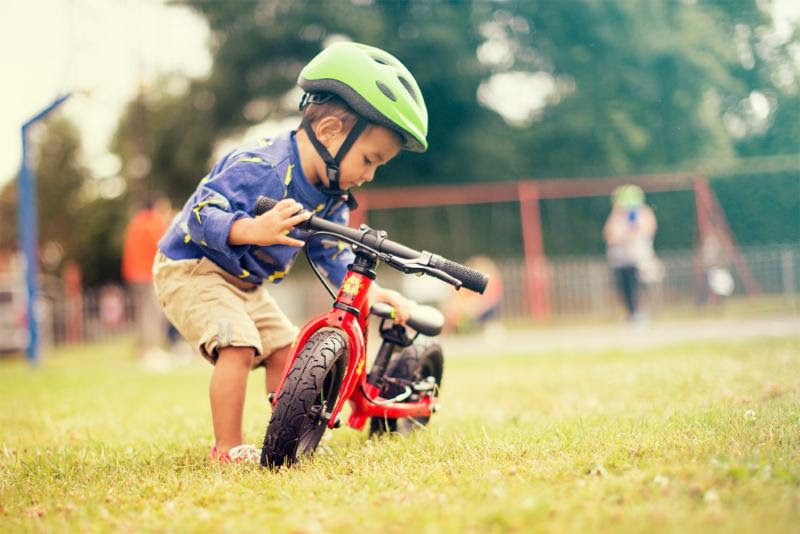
375,85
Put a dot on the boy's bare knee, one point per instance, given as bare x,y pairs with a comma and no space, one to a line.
274,366
278,357
281,352
236,355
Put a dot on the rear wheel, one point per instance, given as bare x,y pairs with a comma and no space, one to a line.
301,413
412,365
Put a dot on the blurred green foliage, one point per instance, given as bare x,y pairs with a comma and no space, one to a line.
74,224
630,87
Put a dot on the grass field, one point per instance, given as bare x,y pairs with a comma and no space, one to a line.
686,438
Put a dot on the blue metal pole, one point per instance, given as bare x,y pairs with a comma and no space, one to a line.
28,231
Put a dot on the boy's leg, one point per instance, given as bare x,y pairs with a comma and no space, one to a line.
274,366
277,336
227,393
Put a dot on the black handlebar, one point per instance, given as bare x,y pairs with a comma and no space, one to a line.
470,278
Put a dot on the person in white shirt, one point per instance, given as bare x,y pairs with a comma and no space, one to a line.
628,233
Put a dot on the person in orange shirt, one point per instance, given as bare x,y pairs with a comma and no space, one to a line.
139,250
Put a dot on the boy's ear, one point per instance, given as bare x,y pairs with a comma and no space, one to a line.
327,128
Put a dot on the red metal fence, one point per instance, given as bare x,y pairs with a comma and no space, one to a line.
529,193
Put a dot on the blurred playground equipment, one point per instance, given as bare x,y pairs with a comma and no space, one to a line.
552,287
535,287
28,230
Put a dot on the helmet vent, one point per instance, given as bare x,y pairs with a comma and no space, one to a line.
379,60
409,88
385,90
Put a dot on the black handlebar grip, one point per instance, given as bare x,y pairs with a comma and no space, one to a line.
264,204
472,279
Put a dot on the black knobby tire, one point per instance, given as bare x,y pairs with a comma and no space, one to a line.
413,364
311,388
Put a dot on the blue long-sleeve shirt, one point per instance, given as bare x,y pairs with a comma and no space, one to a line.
268,167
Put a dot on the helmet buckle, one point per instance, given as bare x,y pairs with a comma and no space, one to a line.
333,173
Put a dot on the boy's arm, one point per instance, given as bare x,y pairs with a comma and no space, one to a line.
220,218
392,297
269,228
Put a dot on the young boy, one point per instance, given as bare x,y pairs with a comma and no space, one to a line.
360,104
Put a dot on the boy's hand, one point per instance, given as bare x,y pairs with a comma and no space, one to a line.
400,304
271,227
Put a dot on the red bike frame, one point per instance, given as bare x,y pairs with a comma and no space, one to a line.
350,315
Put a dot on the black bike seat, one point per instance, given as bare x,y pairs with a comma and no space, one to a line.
426,320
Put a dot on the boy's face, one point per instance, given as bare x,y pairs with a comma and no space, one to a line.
374,147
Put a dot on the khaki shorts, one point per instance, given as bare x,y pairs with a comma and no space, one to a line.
213,309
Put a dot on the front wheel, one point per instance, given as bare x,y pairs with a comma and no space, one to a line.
301,413
416,364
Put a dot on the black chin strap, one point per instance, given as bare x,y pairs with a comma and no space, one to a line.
332,163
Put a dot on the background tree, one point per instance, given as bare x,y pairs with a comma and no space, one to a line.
591,88
74,222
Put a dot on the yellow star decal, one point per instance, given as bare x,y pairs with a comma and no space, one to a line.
351,286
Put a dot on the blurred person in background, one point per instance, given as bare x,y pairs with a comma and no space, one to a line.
719,282
629,232
467,311
139,250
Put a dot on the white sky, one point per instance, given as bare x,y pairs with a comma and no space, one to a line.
103,47
106,48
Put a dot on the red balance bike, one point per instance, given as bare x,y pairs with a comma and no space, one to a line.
327,365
